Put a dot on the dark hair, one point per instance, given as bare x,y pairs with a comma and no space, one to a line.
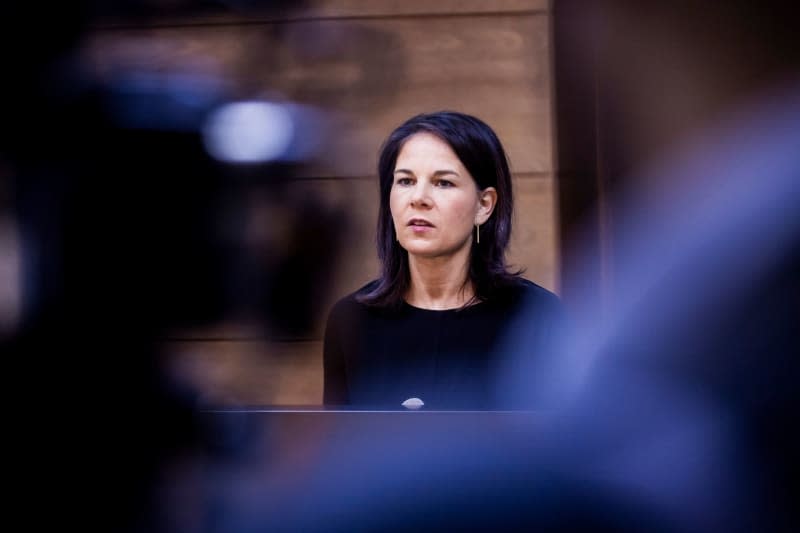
480,151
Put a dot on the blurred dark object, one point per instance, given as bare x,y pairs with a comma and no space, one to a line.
125,238
635,81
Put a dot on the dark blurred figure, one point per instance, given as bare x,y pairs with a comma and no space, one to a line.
129,231
696,122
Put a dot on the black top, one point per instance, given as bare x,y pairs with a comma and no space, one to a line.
378,358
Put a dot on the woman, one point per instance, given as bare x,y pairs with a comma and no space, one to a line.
424,333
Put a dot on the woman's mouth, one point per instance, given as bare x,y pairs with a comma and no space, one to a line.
419,223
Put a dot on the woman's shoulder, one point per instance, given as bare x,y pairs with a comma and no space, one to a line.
519,289
350,303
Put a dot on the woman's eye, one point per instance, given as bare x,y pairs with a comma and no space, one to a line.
445,183
403,181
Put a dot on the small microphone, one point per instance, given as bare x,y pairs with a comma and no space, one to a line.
413,403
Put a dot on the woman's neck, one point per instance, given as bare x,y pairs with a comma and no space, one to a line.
438,283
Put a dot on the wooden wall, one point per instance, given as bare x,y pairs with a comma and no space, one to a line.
368,65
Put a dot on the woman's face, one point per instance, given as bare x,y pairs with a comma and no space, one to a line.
434,200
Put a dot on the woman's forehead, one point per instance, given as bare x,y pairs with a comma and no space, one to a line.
426,147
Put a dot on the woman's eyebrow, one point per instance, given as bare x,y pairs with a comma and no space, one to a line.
436,173
446,173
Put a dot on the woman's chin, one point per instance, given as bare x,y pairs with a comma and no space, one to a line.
428,250
420,250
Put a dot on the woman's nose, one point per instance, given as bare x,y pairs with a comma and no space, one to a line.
420,196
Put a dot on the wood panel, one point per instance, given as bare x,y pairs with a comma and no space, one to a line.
366,76
248,372
394,8
535,232
495,69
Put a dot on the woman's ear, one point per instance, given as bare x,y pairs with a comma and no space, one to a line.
487,199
